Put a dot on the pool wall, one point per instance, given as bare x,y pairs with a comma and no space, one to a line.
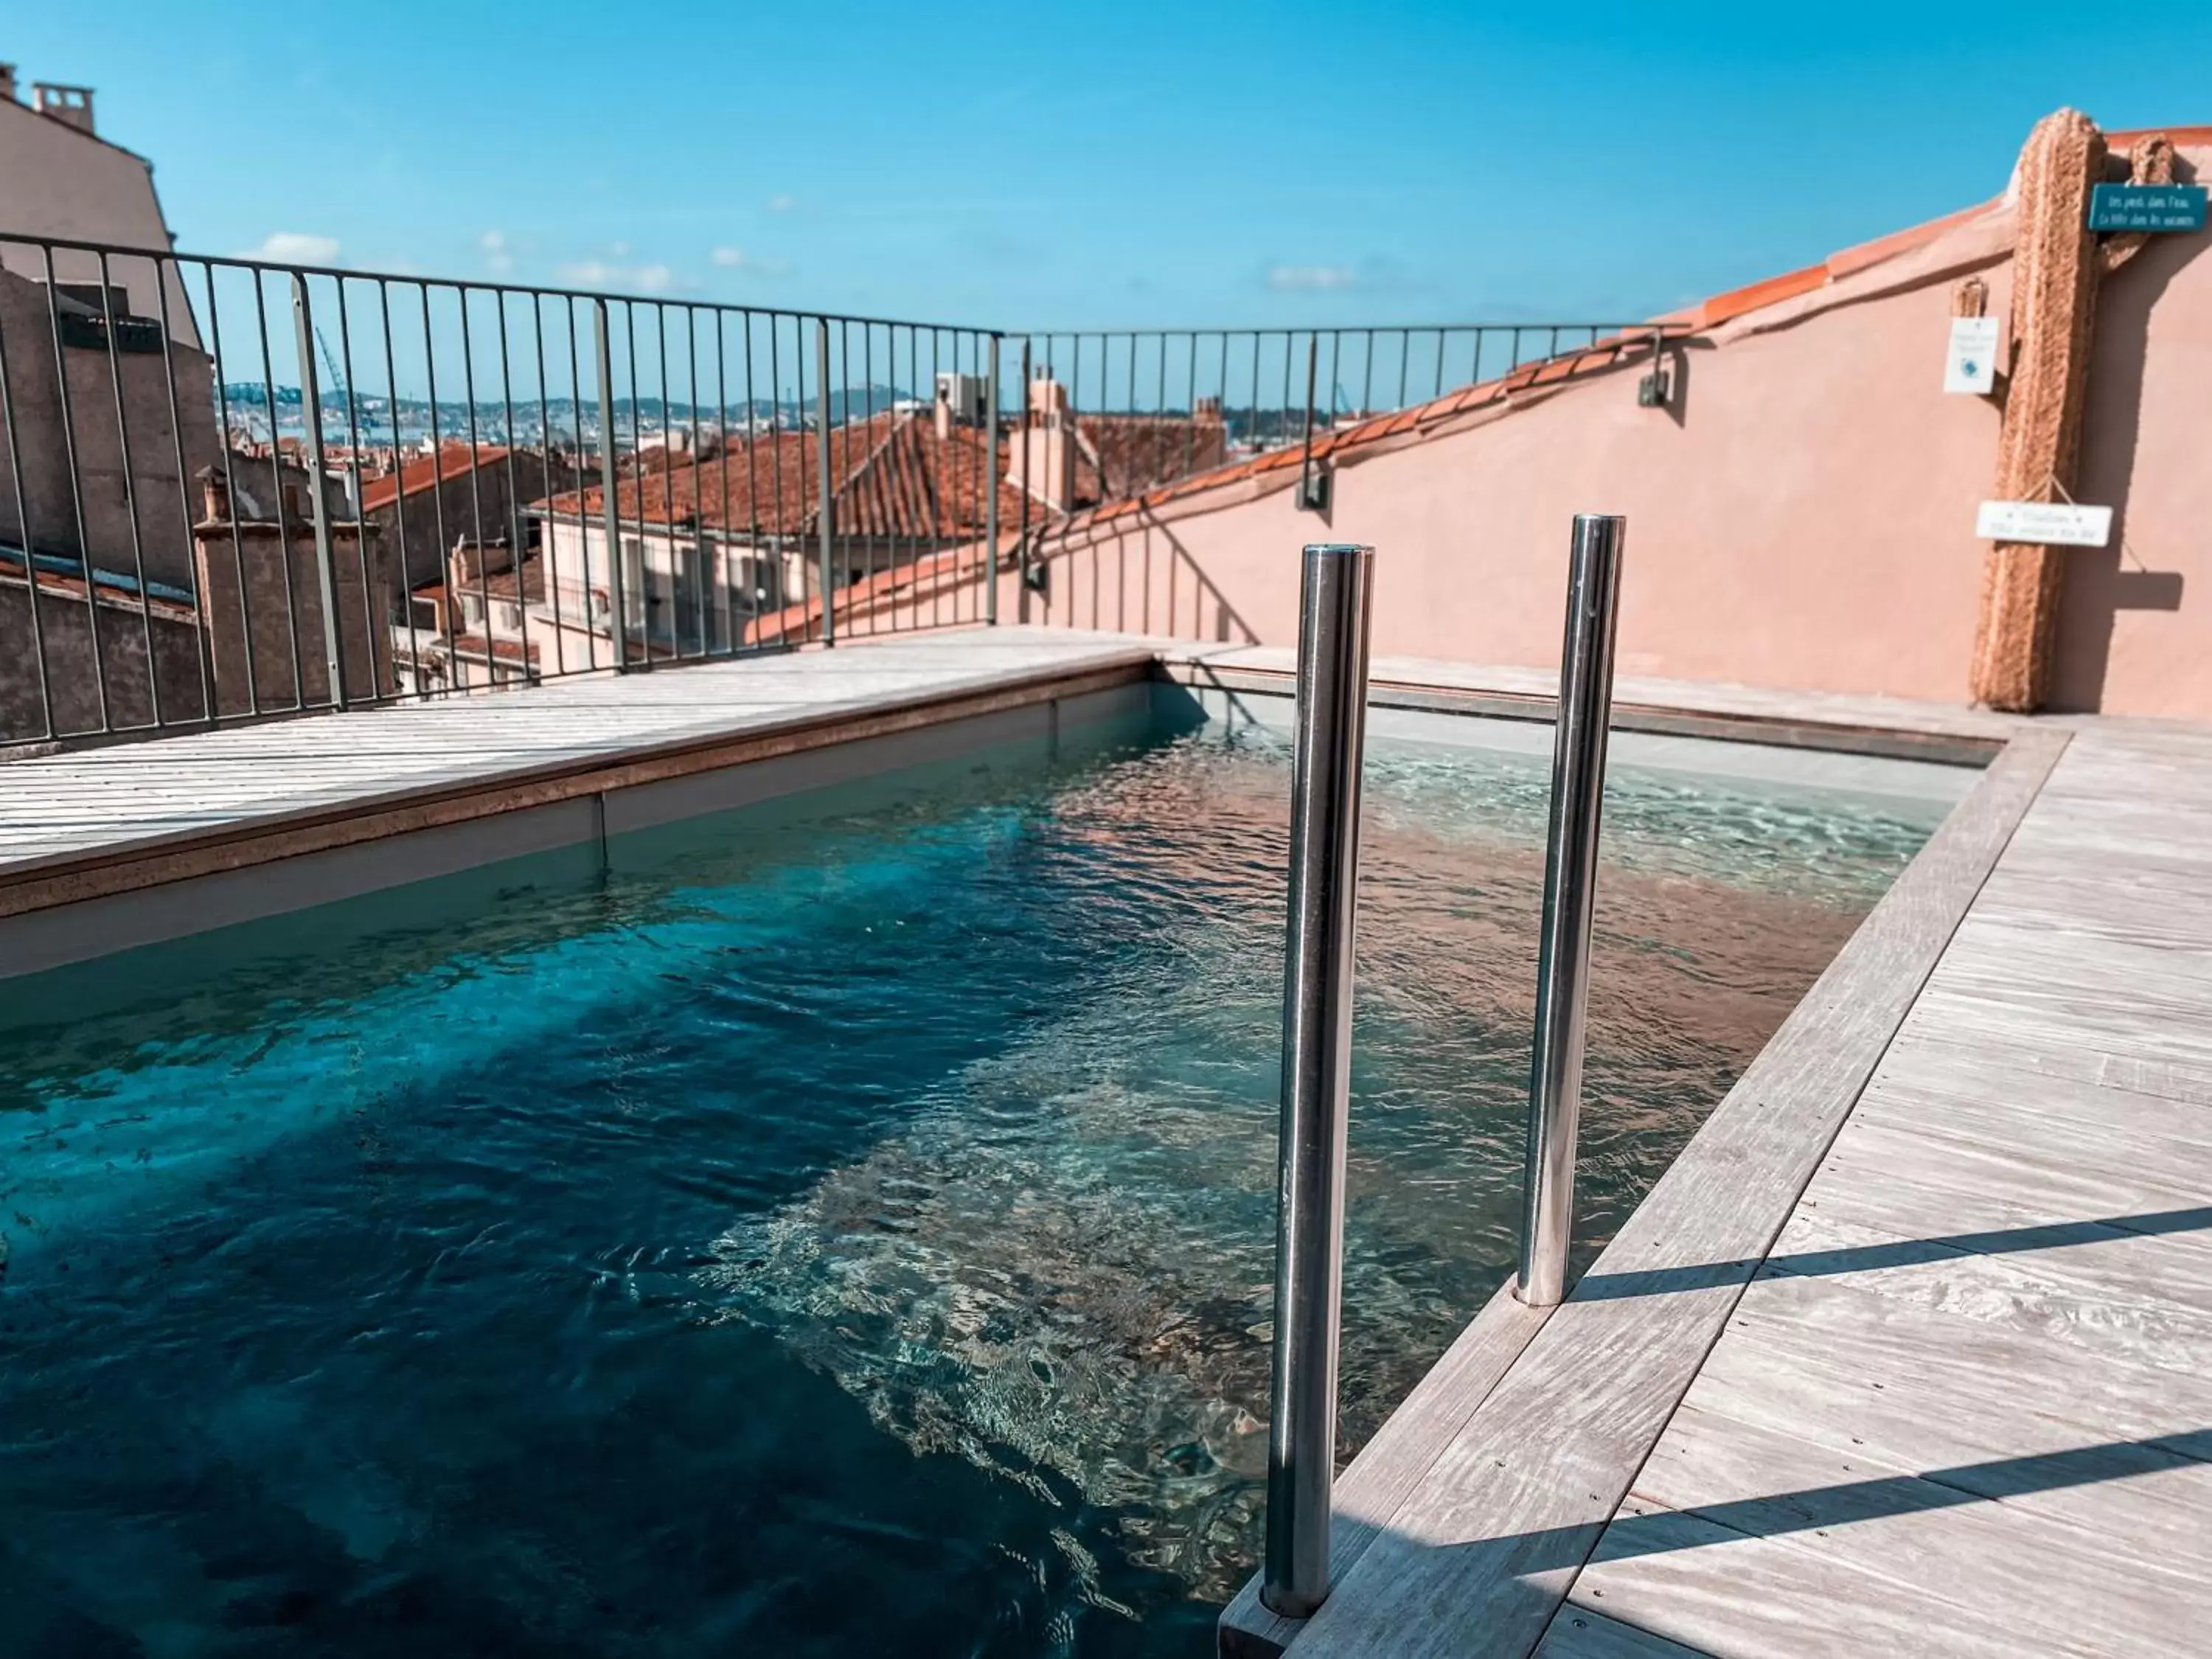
157,892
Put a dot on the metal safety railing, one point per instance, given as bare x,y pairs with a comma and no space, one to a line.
1336,601
231,488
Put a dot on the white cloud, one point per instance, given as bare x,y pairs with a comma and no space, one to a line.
600,273
1309,279
736,258
620,250
498,253
781,202
297,247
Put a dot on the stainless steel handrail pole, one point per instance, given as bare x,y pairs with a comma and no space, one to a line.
1332,720
1555,1073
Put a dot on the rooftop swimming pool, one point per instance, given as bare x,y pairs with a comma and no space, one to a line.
843,1227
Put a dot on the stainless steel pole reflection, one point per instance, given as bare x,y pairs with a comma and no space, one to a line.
1332,722
1555,1073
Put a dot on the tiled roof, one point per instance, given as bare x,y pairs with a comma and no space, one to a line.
451,462
892,475
1118,455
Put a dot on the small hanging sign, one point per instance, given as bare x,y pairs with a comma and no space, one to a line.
1970,366
2051,524
2147,207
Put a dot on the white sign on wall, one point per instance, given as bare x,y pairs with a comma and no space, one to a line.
2052,524
1970,366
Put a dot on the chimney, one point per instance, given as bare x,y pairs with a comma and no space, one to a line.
942,412
1206,410
8,82
1041,459
1048,396
71,105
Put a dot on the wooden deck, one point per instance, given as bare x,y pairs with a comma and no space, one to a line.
1911,1351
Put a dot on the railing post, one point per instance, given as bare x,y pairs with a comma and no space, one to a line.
991,500
603,352
826,522
311,410
1332,720
1555,1073
1028,488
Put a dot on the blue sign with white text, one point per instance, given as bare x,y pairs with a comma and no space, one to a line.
2147,207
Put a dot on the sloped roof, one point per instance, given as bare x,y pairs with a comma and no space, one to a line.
891,476
451,462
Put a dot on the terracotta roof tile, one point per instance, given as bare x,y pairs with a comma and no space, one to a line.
892,475
451,462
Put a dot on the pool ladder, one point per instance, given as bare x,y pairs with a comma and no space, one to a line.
1335,606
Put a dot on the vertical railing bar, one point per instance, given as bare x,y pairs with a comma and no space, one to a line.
230,492
1571,874
369,623
1028,488
545,483
302,327
1190,426
399,479
277,481
23,529
667,483
311,416
200,618
515,548
76,492
1305,462
990,490
722,473
637,461
583,525
445,584
603,351
476,485
130,492
1439,391
776,436
752,481
698,471
1335,606
1259,443
1367,375
936,476
861,504
827,523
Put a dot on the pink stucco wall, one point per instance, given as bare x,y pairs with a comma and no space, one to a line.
2135,633
1802,518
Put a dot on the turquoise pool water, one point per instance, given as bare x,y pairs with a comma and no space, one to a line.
842,1228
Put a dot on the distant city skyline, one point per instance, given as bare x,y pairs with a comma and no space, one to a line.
1019,168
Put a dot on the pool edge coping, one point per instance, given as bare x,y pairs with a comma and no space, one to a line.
55,881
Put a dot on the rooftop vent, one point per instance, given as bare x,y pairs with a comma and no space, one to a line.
69,105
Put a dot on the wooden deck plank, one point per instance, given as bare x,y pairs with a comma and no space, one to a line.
2142,1296
1491,1541
1579,1633
1989,1322
1394,1463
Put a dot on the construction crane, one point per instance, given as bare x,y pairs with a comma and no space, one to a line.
331,362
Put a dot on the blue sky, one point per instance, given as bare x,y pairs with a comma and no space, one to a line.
1132,164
